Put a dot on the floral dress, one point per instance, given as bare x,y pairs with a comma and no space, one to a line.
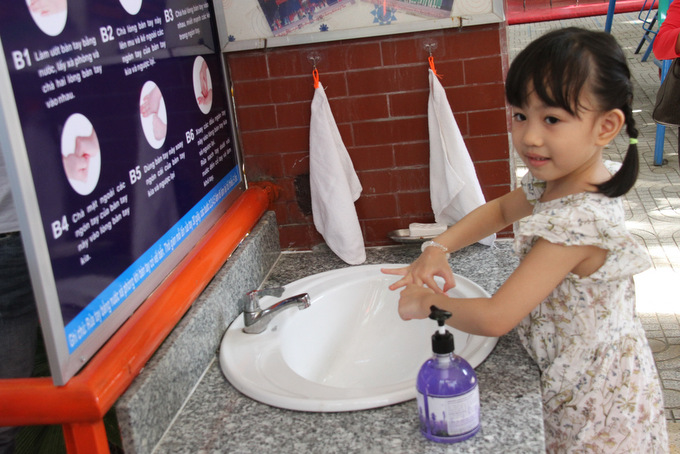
599,383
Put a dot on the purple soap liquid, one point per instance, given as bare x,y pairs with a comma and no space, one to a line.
448,399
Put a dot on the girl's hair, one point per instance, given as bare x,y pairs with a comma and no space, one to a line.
559,64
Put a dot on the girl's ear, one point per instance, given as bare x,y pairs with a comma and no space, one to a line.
610,125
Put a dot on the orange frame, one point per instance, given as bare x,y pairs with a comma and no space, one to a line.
80,405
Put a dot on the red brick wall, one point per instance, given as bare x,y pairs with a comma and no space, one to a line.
378,90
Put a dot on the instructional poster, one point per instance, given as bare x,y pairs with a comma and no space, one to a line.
125,118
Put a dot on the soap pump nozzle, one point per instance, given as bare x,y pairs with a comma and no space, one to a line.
442,340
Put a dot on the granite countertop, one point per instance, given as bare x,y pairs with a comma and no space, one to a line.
219,419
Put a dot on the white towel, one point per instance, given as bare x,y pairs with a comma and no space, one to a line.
334,185
454,188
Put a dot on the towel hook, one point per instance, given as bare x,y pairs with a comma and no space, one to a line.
314,58
430,46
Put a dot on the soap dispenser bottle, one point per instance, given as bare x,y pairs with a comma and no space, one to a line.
448,395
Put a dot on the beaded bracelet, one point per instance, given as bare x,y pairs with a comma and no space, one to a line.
439,246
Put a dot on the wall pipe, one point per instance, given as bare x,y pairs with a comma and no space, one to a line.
80,405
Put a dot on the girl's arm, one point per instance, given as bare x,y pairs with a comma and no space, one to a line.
486,220
539,273
478,224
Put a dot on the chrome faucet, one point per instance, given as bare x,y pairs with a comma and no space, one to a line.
257,319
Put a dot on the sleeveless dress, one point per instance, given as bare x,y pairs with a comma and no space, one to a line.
600,387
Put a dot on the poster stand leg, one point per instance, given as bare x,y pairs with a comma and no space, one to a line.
85,438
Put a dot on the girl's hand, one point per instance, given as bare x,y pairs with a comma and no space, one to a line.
412,302
432,262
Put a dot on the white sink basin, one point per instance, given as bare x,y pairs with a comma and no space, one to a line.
348,351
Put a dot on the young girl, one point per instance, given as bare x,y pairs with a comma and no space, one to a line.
572,296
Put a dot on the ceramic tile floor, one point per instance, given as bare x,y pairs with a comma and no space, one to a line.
653,205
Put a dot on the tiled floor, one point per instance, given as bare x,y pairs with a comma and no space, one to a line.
653,205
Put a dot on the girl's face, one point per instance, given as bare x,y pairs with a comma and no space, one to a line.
555,145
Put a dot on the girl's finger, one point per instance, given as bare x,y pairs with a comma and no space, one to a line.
397,271
432,284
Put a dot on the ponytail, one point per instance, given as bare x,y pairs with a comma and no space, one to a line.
625,178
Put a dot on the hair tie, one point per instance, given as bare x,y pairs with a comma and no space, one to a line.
632,141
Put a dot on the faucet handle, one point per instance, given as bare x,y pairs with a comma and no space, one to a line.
252,298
